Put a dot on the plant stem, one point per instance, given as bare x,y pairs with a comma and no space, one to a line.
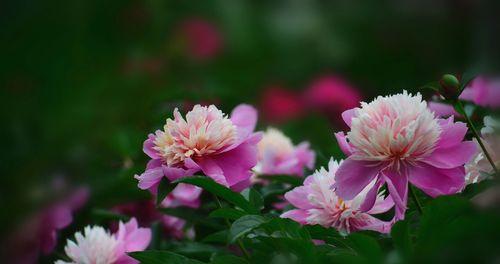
476,135
415,199
240,243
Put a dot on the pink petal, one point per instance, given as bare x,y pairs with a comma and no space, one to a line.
212,170
442,109
451,133
353,176
186,192
244,117
348,115
371,196
451,157
60,217
343,144
298,197
148,147
297,215
371,223
397,184
175,173
305,155
382,207
154,163
149,178
435,181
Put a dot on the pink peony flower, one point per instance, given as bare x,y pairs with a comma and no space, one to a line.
318,204
484,92
396,140
332,95
479,167
277,155
96,245
202,38
223,148
279,105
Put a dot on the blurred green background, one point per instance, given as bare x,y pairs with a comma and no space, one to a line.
83,82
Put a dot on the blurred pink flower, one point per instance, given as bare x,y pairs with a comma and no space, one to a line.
96,245
277,155
39,234
202,38
318,204
225,149
279,105
395,140
331,95
484,92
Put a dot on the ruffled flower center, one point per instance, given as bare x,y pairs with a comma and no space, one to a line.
276,142
395,129
96,245
205,131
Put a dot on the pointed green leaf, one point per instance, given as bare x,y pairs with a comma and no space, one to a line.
161,257
244,225
228,213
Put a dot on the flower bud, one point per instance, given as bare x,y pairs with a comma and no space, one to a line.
450,86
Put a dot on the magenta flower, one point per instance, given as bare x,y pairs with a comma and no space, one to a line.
442,109
279,104
331,95
224,149
277,155
318,204
96,245
202,38
483,91
396,140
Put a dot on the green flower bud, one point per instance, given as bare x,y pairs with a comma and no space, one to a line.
450,87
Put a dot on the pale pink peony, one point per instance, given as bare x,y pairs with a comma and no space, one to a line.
96,245
277,155
318,204
202,38
483,91
479,168
396,139
224,149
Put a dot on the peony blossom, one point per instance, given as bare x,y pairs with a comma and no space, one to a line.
279,104
331,95
224,149
96,245
318,204
146,213
479,167
395,140
277,155
483,91
442,109
202,38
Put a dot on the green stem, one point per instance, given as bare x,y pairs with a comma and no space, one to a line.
476,134
415,199
240,243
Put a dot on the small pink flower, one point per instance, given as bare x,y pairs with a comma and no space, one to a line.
483,91
279,105
332,95
396,140
224,149
277,155
318,204
96,245
202,38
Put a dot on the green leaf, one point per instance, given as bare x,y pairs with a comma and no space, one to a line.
217,237
161,257
254,198
293,180
221,191
228,213
467,77
366,246
400,233
244,225
190,215
228,259
164,188
286,228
